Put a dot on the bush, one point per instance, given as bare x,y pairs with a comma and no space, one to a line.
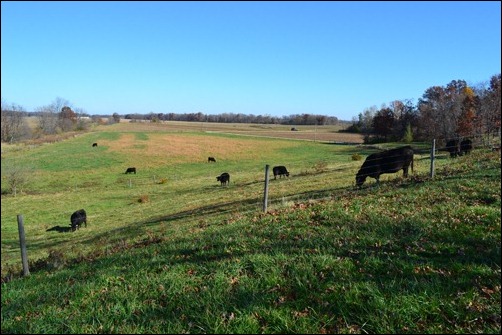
356,157
320,166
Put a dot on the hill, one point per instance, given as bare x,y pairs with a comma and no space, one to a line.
415,255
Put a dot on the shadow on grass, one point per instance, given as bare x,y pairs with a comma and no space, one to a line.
60,229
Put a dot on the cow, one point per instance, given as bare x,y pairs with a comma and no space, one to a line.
452,148
211,159
94,144
465,146
280,171
224,178
131,170
77,218
388,161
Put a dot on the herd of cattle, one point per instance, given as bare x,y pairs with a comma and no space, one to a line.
387,161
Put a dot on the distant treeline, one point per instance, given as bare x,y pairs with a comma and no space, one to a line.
296,119
453,111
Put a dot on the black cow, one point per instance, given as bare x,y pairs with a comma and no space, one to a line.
452,148
280,171
465,146
224,178
94,144
388,161
211,159
131,170
77,218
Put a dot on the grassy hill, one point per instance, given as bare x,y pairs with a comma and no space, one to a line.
171,251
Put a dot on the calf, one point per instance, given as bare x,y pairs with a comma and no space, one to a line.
211,159
77,218
224,178
94,144
388,161
280,171
131,170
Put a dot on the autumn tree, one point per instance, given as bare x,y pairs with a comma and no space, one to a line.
67,119
440,109
466,121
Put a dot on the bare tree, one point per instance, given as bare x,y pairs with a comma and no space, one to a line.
13,123
47,120
16,176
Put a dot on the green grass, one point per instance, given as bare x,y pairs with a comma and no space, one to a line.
410,256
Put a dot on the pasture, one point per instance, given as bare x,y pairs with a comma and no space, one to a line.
173,177
169,250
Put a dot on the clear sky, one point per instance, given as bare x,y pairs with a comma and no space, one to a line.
257,57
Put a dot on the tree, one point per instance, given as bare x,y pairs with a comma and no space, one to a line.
116,118
383,123
67,119
490,110
408,134
466,121
405,118
47,120
440,109
13,123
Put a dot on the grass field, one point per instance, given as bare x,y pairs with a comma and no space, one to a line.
169,250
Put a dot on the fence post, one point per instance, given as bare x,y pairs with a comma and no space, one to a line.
433,151
22,243
265,195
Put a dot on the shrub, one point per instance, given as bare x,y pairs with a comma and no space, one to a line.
320,166
144,198
356,157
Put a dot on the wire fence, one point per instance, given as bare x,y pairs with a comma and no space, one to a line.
426,156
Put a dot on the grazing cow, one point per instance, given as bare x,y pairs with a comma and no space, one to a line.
388,161
77,218
452,148
465,146
280,171
211,159
224,178
131,170
94,144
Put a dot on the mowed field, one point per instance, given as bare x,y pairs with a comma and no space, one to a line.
174,183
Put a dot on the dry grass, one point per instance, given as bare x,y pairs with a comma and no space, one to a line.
179,148
310,133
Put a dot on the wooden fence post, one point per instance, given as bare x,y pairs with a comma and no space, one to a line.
433,151
22,242
265,195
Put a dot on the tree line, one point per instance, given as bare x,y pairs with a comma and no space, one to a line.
453,111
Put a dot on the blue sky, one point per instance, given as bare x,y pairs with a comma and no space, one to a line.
261,58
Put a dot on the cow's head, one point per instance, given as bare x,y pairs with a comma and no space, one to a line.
360,179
